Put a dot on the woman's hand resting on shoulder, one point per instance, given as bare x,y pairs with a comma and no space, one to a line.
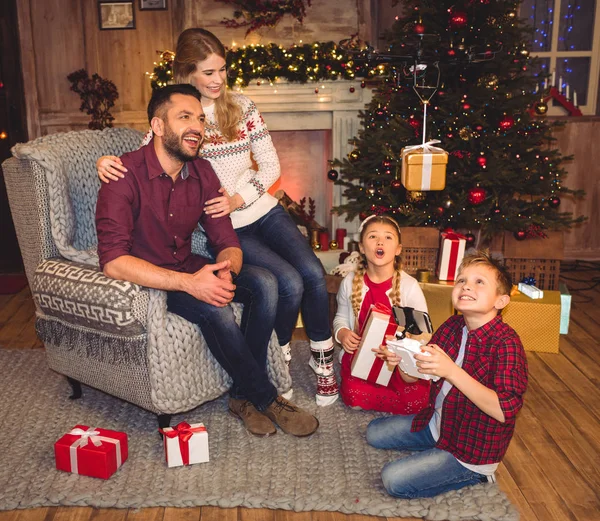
224,205
349,340
110,168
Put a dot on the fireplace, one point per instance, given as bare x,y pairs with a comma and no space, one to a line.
311,124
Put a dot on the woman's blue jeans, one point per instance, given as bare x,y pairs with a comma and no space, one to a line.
241,350
426,473
274,242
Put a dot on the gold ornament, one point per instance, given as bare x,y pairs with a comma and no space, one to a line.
541,108
489,81
333,245
464,133
415,196
354,155
316,246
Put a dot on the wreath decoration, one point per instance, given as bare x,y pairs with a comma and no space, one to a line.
255,14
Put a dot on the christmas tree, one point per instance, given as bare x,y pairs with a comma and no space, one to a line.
502,171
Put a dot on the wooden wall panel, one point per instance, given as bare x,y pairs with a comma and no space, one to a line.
58,40
578,137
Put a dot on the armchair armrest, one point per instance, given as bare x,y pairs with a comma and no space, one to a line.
83,296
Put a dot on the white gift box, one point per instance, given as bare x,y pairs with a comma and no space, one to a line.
565,308
452,251
406,349
185,444
530,291
365,364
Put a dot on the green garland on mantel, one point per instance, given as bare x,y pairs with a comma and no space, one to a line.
300,63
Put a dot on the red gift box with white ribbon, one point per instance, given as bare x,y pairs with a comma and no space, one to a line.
91,451
185,444
452,251
365,364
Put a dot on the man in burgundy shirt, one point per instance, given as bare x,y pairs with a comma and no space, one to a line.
145,224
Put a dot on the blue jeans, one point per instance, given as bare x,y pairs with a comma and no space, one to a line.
241,350
274,242
426,473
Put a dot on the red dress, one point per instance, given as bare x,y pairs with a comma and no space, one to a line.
398,397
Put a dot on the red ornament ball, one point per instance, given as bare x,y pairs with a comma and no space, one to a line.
506,123
316,91
476,195
351,89
554,202
414,123
466,106
362,84
520,235
451,52
419,29
332,175
470,239
395,186
458,19
482,161
479,128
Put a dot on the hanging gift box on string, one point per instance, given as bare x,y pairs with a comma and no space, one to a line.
424,165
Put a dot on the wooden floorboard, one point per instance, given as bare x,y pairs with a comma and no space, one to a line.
551,471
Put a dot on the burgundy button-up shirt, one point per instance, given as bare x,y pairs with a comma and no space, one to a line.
494,356
149,216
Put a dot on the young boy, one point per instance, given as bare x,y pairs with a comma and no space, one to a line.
463,433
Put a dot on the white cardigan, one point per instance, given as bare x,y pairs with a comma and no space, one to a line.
411,295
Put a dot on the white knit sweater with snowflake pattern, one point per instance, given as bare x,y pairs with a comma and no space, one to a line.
232,161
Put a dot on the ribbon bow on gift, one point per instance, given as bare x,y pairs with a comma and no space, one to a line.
184,431
427,147
91,434
453,236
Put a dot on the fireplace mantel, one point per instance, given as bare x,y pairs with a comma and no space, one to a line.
327,105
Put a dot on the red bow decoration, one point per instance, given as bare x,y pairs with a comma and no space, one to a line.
184,431
453,236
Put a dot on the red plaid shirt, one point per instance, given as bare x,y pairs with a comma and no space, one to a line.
494,356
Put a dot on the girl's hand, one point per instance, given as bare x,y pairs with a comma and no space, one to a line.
349,340
438,364
386,355
110,168
224,205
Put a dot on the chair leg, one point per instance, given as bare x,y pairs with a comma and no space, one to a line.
75,387
164,420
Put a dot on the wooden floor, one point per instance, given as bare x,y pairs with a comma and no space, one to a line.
551,471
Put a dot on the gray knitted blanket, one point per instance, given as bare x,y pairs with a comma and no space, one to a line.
332,470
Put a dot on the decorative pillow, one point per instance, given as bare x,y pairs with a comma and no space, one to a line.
81,295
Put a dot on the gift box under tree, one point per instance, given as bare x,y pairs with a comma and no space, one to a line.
452,251
420,246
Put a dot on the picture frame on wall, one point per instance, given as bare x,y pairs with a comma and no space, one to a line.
153,5
116,14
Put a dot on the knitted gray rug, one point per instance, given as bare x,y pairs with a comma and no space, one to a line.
332,470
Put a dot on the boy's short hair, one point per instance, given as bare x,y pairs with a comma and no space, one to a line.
161,97
483,257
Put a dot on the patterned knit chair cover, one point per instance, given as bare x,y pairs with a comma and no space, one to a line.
112,335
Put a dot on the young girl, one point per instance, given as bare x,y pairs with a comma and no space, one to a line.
378,279
235,134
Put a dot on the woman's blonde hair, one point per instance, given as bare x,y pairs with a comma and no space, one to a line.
359,274
195,45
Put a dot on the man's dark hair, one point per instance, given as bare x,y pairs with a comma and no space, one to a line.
160,97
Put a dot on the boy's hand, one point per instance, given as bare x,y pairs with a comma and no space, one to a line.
437,364
349,340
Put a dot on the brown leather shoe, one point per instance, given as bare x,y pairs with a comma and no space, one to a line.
255,422
290,418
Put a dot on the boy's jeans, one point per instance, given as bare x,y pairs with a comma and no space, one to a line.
425,473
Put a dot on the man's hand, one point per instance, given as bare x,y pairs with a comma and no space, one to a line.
213,289
348,339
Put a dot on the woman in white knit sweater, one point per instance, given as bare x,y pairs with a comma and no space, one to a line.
235,133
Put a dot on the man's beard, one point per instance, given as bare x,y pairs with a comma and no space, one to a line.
174,147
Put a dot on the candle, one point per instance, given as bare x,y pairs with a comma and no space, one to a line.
567,94
537,87
324,240
574,97
545,83
560,84
340,235
553,79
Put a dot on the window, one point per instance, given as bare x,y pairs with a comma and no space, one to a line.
568,48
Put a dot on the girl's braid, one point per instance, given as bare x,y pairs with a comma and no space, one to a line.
357,285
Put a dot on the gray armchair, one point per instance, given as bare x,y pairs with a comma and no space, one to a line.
112,335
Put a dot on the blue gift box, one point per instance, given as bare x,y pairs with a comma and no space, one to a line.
565,308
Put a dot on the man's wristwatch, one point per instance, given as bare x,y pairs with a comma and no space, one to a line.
234,275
